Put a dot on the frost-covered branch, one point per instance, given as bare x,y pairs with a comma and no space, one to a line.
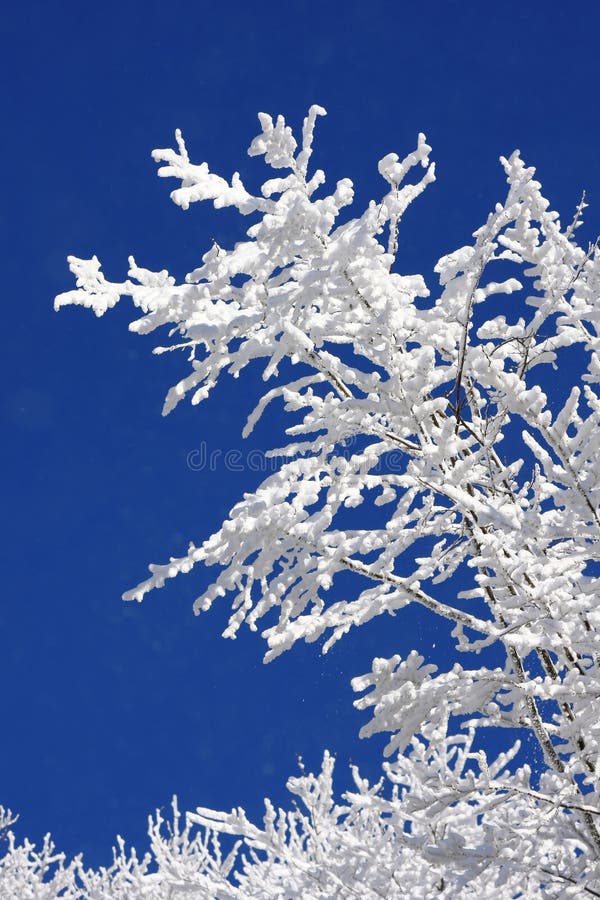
434,404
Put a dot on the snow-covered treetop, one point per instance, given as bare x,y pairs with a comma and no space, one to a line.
423,384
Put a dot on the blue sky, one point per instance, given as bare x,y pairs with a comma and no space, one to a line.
110,708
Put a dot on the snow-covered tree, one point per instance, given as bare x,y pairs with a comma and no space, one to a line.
423,384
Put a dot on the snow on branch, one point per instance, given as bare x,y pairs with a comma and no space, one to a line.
468,414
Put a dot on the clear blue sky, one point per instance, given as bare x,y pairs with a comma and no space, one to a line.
108,708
